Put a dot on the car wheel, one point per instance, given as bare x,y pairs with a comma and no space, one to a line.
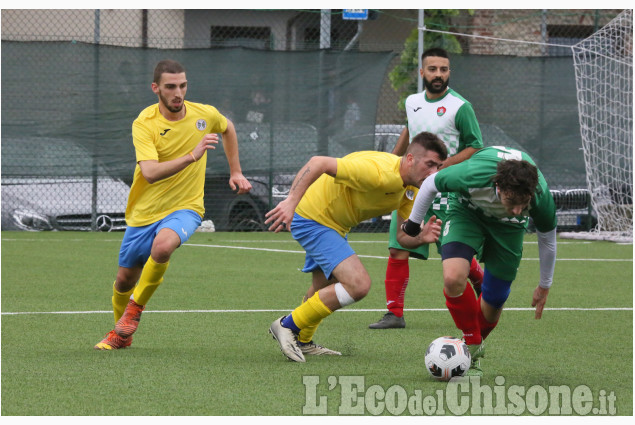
246,218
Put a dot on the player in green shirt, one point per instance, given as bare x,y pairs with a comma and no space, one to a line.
441,111
496,191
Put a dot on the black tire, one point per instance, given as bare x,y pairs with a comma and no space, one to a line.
245,217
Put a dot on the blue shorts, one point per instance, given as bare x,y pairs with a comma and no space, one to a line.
137,241
325,248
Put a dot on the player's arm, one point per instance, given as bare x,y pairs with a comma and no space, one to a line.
459,157
230,145
429,233
154,171
543,212
470,137
547,256
282,214
402,143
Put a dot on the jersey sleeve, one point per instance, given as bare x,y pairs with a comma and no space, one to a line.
469,130
454,178
218,122
543,208
143,142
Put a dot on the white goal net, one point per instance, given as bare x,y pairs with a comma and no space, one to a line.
604,80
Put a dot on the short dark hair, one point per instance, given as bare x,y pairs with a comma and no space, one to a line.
430,142
436,52
518,178
166,66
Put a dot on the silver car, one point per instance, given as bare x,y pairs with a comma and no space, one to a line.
53,184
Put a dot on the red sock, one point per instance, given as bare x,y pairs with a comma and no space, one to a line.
397,274
476,273
486,327
464,311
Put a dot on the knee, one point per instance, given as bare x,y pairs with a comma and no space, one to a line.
454,283
360,288
398,254
126,279
162,249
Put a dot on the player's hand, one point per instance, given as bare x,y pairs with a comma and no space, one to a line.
540,298
209,141
431,230
280,217
238,181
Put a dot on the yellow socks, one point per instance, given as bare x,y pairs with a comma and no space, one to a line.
119,301
151,278
308,316
306,334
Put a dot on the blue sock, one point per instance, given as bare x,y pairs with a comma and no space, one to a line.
288,323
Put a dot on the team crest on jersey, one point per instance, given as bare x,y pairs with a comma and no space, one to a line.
201,124
410,194
441,110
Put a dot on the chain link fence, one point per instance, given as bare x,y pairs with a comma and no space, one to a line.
296,83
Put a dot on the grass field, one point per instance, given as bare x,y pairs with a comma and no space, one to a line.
203,349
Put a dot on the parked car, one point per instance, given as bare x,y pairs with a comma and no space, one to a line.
47,184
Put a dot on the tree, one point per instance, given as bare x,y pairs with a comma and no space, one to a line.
403,77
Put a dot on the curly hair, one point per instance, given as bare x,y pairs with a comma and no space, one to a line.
517,178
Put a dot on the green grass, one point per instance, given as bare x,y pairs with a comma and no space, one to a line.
184,362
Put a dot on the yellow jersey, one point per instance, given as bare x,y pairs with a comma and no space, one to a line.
156,138
367,185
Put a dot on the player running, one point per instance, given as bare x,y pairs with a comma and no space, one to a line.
327,198
165,205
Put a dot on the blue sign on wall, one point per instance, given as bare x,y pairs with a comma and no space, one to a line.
355,14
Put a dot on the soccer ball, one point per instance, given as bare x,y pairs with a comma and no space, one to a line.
447,357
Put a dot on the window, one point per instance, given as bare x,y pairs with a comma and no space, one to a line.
253,37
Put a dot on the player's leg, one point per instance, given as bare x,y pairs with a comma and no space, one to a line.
397,278
325,250
135,248
476,276
459,296
123,288
171,232
305,336
353,283
502,254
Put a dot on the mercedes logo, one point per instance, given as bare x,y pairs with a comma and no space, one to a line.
104,223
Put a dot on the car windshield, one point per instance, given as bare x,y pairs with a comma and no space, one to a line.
46,157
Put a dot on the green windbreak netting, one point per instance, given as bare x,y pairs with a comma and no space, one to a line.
72,104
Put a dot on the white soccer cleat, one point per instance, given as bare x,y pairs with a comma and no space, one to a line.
317,350
287,340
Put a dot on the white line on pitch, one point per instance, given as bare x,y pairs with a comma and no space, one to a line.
251,248
351,310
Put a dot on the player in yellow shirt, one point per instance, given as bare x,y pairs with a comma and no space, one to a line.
327,198
165,205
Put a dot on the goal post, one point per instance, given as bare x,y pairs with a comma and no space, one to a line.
604,82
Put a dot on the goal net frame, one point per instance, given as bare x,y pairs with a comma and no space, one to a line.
604,81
